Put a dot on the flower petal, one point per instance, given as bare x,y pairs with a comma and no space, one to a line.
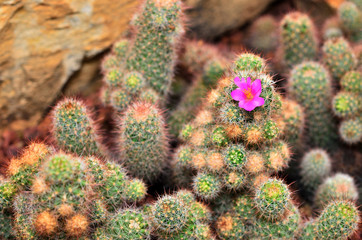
256,87
238,82
237,94
258,101
247,105
248,81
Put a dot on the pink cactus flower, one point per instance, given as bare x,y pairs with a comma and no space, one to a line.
248,93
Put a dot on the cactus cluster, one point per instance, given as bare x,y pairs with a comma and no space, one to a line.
346,104
232,135
63,195
270,214
229,146
142,68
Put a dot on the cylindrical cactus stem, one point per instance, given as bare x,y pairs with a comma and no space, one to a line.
350,130
74,130
338,56
153,53
338,187
143,138
315,167
293,118
263,34
310,85
298,39
350,17
339,220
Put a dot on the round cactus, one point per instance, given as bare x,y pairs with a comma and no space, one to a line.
298,39
350,130
338,187
272,198
346,104
315,167
135,191
207,185
339,220
170,213
352,82
338,56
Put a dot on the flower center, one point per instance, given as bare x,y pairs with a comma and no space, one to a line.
248,94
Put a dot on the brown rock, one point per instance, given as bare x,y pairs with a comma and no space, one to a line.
210,18
43,43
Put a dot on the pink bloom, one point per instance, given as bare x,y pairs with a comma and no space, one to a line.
248,93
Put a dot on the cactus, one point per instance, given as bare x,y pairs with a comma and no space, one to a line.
63,191
207,185
346,104
271,199
315,167
350,130
352,82
218,140
262,34
338,56
143,140
350,17
146,62
74,130
286,228
180,216
125,224
339,220
338,187
293,121
310,86
158,27
298,39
